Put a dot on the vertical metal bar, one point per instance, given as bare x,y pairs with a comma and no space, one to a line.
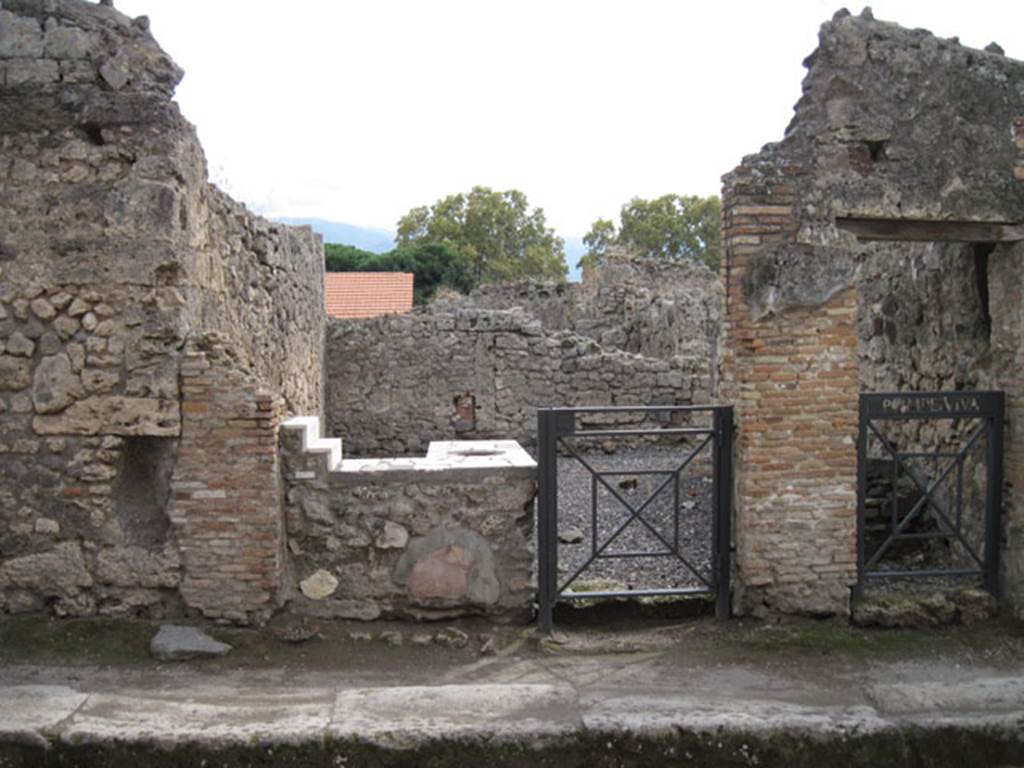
722,459
894,510
959,491
547,521
675,513
994,495
862,489
593,515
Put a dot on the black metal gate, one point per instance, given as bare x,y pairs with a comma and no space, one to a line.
937,489
642,493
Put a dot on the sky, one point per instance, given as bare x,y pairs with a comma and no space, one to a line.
359,110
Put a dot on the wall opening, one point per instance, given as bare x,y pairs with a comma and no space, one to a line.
143,489
981,252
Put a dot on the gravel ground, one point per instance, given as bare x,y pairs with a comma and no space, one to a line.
576,487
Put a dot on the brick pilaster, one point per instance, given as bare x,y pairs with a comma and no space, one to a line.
794,380
226,504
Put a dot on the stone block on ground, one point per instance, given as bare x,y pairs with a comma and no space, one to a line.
179,643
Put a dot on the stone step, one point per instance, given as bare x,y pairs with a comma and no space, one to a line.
312,442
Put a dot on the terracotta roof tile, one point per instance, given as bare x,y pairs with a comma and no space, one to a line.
367,294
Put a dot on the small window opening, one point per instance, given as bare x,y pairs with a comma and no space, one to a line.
94,133
876,149
981,254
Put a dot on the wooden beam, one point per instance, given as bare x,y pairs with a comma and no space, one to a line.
924,230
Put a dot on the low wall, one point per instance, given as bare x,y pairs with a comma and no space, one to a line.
446,535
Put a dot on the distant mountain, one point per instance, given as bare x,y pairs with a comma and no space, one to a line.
383,240
367,238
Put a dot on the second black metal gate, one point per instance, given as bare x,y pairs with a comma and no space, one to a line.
929,486
679,489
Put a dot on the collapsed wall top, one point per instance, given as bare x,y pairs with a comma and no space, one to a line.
60,47
897,122
896,125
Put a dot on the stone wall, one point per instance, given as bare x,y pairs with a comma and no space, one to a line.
397,382
638,332
115,255
649,307
894,125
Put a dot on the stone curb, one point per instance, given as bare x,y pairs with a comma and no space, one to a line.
504,724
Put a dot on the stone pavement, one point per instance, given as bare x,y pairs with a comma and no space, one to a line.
651,697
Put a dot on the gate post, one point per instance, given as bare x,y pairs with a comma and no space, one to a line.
994,495
547,516
722,473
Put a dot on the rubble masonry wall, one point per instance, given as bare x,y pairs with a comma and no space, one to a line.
133,295
892,124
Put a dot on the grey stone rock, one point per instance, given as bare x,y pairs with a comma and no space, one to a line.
115,415
392,536
19,36
60,572
452,637
56,385
32,72
17,344
319,585
15,373
179,643
116,71
449,566
43,309
570,536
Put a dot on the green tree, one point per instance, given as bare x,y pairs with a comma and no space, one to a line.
347,258
497,234
668,227
432,264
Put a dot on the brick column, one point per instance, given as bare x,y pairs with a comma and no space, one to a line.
793,376
226,506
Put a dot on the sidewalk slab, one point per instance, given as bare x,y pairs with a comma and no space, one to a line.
27,712
212,716
406,716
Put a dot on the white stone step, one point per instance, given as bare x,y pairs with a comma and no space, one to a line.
312,442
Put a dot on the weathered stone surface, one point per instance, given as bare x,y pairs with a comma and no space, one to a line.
116,71
112,415
180,643
43,309
913,611
20,346
392,536
15,373
136,566
974,605
19,36
58,573
449,565
319,585
56,385
442,573
452,637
